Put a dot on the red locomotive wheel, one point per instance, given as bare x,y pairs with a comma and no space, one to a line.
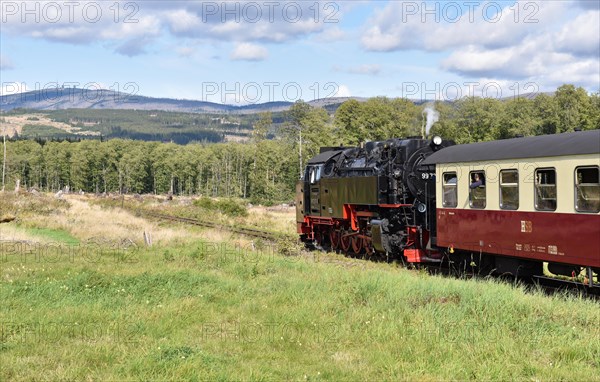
334,238
357,244
368,244
345,242
319,238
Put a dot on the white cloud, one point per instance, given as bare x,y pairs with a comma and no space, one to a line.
73,34
331,35
531,61
185,51
8,88
368,69
137,23
5,63
588,4
544,42
580,72
399,27
133,47
146,26
182,21
249,52
473,60
343,91
582,35
130,30
250,21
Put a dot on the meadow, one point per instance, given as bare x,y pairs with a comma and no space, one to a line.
83,298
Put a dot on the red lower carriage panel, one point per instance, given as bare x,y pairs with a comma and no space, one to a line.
542,236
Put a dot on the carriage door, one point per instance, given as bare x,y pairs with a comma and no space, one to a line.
315,194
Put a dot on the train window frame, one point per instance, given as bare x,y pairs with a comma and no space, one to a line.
536,189
315,174
502,184
577,184
474,190
452,175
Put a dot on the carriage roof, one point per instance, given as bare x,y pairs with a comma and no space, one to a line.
576,143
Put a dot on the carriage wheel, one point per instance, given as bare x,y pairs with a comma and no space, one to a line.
345,242
357,244
334,238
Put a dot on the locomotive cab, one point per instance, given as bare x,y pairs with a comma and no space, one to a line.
308,189
312,178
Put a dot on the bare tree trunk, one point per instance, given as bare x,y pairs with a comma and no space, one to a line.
227,175
300,149
4,161
120,182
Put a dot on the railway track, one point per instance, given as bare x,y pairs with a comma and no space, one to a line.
549,285
271,236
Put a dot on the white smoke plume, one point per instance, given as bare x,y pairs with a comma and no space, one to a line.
432,117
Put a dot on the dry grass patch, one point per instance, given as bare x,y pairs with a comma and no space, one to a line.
280,219
13,233
86,221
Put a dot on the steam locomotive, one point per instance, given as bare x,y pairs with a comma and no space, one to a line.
537,201
376,198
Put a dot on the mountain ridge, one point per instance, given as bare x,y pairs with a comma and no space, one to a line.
75,98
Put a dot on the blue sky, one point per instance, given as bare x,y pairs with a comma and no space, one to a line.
256,51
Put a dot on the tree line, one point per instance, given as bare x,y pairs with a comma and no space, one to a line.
265,169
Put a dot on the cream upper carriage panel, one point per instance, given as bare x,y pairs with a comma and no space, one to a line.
564,166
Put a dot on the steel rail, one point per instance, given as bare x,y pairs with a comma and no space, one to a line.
239,230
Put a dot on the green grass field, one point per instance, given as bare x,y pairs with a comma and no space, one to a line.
199,310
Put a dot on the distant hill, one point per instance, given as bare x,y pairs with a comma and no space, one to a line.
73,98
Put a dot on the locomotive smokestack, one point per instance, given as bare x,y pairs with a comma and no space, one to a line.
432,117
423,124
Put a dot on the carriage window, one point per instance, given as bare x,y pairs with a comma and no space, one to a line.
587,189
477,189
449,198
545,189
509,189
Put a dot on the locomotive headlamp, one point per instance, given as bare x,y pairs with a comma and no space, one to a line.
437,140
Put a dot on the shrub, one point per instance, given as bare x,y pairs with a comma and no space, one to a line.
228,207
232,208
287,247
206,203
